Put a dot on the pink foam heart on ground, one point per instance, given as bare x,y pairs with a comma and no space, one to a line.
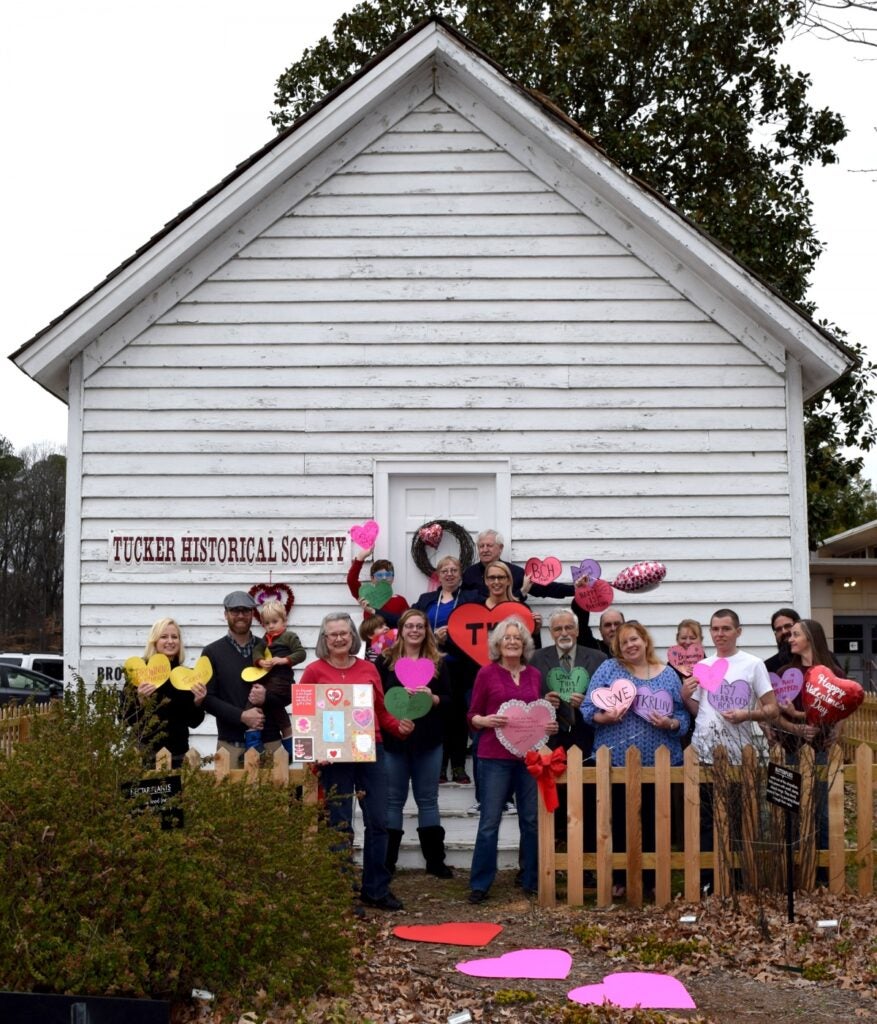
710,676
525,729
452,933
788,686
364,536
522,963
413,673
628,989
619,695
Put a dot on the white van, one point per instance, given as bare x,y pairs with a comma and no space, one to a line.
49,664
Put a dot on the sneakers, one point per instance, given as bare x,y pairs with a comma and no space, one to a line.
461,777
509,808
477,895
475,809
387,902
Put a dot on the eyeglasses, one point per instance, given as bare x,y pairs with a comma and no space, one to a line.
495,579
383,574
240,611
338,636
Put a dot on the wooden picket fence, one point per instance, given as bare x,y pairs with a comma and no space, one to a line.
277,771
16,721
761,825
861,727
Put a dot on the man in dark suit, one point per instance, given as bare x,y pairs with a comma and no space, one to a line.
490,545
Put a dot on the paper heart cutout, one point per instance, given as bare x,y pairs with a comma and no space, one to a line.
521,963
431,535
629,989
333,753
376,594
565,684
731,696
470,625
640,577
829,699
452,933
525,729
413,673
252,673
620,694
788,686
403,703
334,695
364,536
647,701
185,678
543,570
595,597
685,657
156,671
587,570
710,677
363,717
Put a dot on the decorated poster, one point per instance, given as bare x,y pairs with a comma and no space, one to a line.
333,722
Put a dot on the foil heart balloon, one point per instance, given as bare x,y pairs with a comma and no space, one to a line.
431,535
640,577
828,699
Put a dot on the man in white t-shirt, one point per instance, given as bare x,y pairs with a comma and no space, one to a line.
746,707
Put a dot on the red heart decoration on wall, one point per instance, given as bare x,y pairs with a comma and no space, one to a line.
470,626
828,699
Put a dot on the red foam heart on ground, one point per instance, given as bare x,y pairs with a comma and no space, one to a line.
452,933
470,626
828,699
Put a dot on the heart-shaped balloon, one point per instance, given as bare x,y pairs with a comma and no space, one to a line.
543,570
185,678
788,686
587,570
685,657
364,536
470,626
640,577
629,989
619,695
594,598
731,696
525,729
647,701
156,671
431,535
710,677
828,699
376,594
404,703
565,684
521,963
413,673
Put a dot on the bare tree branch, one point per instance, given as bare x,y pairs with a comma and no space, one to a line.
832,19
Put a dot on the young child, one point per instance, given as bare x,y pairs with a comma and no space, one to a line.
689,647
277,651
376,635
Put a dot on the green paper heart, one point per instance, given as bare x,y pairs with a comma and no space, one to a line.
567,683
403,703
377,594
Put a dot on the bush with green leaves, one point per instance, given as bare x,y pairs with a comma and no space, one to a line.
246,897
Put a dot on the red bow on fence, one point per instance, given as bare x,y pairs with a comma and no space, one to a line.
545,765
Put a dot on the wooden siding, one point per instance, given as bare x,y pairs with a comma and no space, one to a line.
436,298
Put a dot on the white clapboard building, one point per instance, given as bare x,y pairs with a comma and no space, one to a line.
432,297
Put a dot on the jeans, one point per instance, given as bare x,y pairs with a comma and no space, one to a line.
421,768
369,777
496,777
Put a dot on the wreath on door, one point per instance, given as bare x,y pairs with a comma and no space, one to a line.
430,535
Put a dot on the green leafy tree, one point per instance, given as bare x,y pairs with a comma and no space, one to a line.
688,95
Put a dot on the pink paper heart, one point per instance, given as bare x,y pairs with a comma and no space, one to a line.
685,657
647,701
730,696
521,963
619,695
525,729
788,686
543,570
365,536
629,989
413,673
710,676
363,717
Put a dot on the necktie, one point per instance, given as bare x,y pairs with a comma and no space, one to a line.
565,662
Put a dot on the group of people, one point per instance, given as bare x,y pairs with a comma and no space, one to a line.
467,702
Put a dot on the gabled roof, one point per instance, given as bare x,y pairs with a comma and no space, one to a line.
628,209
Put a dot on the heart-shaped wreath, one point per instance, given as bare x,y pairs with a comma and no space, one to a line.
262,592
426,534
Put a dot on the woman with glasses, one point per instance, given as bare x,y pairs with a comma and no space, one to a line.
382,571
437,606
337,664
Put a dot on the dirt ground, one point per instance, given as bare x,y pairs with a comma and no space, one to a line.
743,964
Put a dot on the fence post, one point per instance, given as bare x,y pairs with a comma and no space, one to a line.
721,800
836,837
865,819
575,834
750,810
662,826
808,854
633,802
604,827
691,811
221,764
547,854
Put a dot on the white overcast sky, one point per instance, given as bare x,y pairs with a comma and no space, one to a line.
116,116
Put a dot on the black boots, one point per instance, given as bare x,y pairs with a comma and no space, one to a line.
432,842
394,840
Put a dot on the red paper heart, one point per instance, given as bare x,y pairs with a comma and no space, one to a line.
595,598
543,570
470,626
463,933
828,699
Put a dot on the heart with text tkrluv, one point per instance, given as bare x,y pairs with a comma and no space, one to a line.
710,677
828,699
470,626
618,696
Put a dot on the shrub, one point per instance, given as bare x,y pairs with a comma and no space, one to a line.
246,897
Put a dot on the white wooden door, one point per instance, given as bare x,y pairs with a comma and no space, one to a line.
469,499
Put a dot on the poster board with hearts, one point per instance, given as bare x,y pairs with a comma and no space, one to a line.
333,722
